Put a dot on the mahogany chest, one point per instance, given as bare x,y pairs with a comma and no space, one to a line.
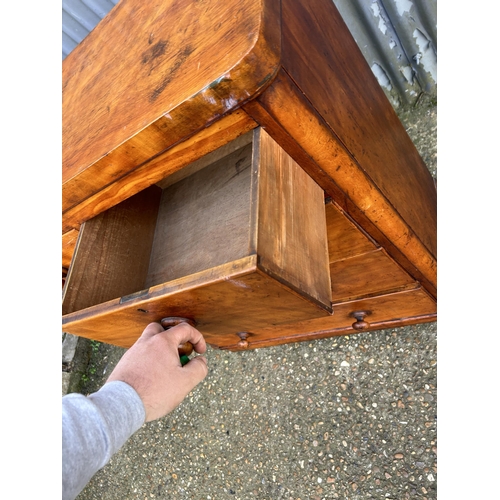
237,163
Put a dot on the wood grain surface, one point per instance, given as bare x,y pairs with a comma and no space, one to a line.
292,231
343,89
112,254
253,208
223,301
68,247
345,238
366,274
152,74
385,311
150,97
295,124
204,220
216,135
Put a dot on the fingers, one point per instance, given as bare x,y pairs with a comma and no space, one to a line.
153,368
184,332
152,329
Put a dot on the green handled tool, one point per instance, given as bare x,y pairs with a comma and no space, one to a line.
184,349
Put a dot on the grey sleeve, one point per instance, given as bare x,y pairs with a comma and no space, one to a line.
93,429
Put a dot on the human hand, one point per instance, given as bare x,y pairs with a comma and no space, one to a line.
153,368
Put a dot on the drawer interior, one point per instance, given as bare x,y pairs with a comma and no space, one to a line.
204,220
253,202
240,240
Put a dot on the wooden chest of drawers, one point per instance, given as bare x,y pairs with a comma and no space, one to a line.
238,164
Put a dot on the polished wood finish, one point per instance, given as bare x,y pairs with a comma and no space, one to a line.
340,85
181,155
390,310
151,75
257,200
172,321
365,275
248,210
223,301
358,267
160,96
69,240
68,247
345,238
360,323
301,131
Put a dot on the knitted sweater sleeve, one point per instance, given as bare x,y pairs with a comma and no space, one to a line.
95,427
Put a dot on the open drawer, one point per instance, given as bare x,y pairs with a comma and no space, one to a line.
237,241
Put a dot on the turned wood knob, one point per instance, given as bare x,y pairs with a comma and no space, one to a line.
243,343
184,349
360,323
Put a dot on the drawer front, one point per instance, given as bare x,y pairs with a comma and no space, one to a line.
358,267
222,301
364,275
345,238
384,311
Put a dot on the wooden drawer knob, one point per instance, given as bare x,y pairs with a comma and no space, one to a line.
360,323
184,349
243,343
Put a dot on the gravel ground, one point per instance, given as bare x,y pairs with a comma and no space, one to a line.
347,417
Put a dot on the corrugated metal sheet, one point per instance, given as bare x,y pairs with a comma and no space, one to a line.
397,37
79,18
399,40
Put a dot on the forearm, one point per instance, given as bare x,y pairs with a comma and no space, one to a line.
94,428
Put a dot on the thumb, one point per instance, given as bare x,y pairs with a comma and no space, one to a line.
195,371
152,329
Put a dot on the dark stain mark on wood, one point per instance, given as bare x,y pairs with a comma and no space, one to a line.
157,50
182,56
